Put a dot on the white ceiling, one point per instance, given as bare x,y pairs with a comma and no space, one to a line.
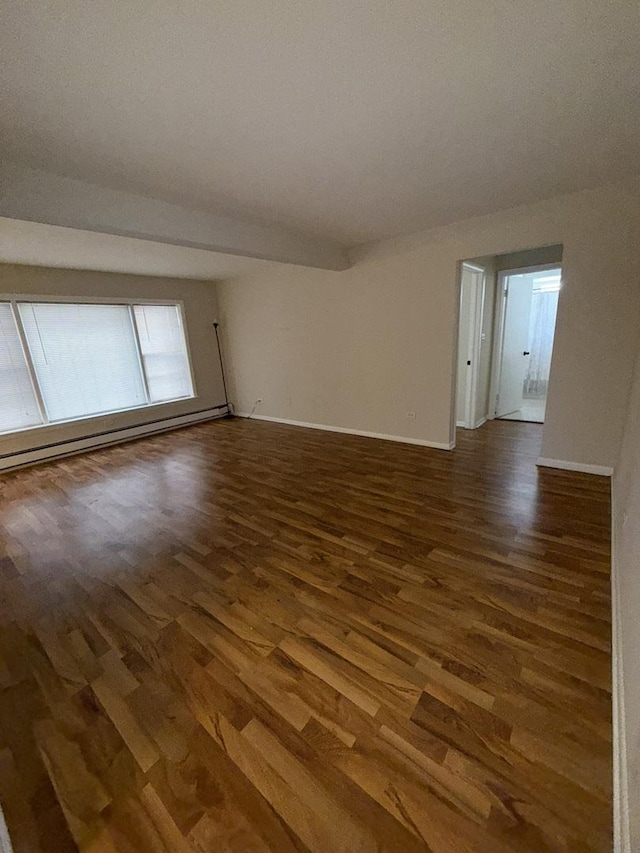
52,246
349,120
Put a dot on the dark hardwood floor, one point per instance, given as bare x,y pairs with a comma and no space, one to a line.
246,637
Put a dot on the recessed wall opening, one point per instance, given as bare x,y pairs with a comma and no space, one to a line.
508,309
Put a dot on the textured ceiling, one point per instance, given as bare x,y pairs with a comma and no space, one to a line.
348,120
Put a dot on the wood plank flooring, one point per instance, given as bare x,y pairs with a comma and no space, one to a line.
251,637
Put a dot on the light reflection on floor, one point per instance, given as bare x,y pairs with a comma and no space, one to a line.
531,410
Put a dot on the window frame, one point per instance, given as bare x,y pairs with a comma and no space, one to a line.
14,298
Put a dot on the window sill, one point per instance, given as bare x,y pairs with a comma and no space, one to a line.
111,417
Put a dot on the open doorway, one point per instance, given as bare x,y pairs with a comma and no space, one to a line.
527,316
508,307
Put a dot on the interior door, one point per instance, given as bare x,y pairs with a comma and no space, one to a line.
469,340
464,355
515,343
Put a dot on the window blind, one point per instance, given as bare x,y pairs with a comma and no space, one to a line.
164,354
85,358
18,404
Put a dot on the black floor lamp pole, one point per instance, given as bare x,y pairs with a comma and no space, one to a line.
224,380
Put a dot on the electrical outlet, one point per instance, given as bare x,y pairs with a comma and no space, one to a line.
411,416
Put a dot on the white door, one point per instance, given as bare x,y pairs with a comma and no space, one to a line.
515,343
469,339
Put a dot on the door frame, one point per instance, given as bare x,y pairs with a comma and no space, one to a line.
498,327
473,342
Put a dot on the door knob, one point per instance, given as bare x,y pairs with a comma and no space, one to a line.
526,353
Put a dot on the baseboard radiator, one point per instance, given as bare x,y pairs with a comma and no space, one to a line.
57,450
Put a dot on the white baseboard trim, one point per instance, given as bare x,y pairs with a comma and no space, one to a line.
327,428
103,439
478,423
621,825
601,470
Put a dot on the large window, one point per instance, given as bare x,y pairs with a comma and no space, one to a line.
60,361
18,404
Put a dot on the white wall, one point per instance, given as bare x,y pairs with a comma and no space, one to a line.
626,602
360,348
200,306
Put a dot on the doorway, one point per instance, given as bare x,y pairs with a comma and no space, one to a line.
506,325
527,310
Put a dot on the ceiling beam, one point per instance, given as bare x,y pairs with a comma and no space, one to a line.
38,196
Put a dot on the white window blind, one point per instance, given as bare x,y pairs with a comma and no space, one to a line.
85,358
18,405
164,354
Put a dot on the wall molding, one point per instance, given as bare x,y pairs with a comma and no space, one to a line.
564,465
328,428
621,824
73,446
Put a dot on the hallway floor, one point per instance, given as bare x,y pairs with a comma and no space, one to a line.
532,411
